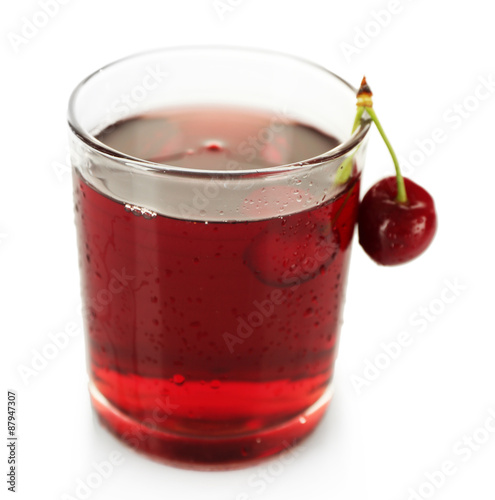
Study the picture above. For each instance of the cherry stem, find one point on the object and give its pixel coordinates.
(401, 187)
(345, 169)
(357, 120)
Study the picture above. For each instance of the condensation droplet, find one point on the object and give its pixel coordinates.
(215, 384)
(178, 379)
(138, 211)
(302, 420)
(308, 312)
(214, 146)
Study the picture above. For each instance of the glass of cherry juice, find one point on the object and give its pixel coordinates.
(214, 230)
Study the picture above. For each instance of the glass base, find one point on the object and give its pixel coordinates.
(209, 453)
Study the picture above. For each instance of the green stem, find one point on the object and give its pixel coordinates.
(345, 169)
(357, 120)
(401, 187)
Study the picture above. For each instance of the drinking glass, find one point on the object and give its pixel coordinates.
(216, 192)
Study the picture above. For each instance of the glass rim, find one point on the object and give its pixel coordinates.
(145, 165)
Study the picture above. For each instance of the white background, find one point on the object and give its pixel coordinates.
(378, 443)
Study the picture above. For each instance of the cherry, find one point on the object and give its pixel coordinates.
(291, 251)
(397, 219)
(391, 232)
(296, 248)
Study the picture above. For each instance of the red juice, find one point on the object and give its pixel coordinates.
(213, 341)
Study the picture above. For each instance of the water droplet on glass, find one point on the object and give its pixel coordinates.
(214, 146)
(137, 211)
(215, 384)
(178, 379)
(302, 420)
